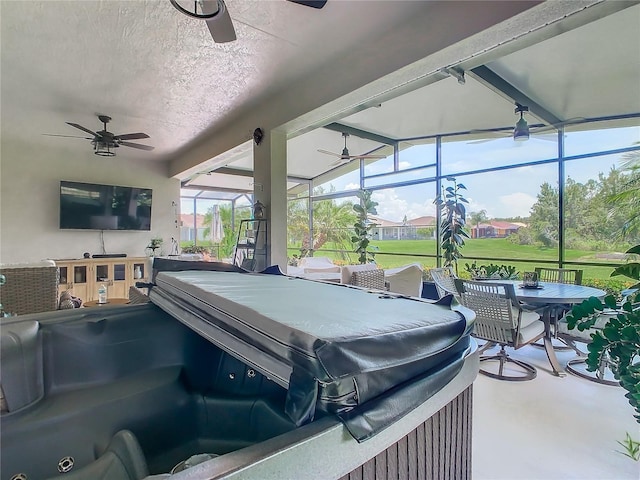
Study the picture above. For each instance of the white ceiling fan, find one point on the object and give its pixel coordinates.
(522, 131)
(345, 156)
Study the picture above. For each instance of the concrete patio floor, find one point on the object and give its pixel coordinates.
(550, 427)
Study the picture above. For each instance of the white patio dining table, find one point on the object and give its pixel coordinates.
(547, 294)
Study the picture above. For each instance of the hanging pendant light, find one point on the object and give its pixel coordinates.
(521, 131)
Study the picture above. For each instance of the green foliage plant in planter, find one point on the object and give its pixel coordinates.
(364, 227)
(154, 244)
(491, 271)
(619, 339)
(452, 222)
(196, 249)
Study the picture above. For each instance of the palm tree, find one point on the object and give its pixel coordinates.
(332, 224)
(628, 199)
(477, 218)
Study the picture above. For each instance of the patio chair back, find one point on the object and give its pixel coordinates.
(444, 280)
(559, 275)
(496, 307)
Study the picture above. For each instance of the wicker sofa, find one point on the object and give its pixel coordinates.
(29, 287)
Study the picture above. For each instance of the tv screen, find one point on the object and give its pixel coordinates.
(104, 207)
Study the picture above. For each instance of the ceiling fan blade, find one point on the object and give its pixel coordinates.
(368, 156)
(68, 136)
(484, 140)
(330, 153)
(555, 126)
(132, 136)
(221, 26)
(549, 137)
(83, 129)
(137, 145)
(310, 3)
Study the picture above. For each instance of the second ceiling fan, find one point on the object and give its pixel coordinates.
(522, 131)
(345, 156)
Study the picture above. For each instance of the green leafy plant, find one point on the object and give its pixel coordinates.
(631, 448)
(196, 249)
(619, 339)
(154, 244)
(504, 272)
(452, 221)
(364, 226)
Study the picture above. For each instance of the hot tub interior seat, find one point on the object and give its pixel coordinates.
(174, 391)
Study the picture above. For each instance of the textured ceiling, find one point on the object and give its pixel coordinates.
(157, 71)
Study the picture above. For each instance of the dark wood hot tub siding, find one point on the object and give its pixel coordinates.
(438, 449)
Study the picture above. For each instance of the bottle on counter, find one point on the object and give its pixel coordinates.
(102, 294)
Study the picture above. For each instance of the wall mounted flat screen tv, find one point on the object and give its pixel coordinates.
(104, 207)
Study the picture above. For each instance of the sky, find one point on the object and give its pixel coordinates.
(502, 194)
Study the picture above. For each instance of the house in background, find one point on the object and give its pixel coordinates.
(495, 229)
(192, 228)
(420, 228)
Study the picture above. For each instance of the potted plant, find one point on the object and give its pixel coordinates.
(364, 226)
(201, 249)
(491, 271)
(452, 222)
(619, 339)
(154, 244)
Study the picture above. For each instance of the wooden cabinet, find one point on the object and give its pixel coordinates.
(83, 277)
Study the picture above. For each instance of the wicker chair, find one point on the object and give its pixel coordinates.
(444, 278)
(500, 320)
(29, 288)
(373, 279)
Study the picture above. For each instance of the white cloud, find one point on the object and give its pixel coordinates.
(514, 205)
(393, 208)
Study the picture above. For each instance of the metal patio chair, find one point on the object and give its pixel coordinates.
(444, 278)
(500, 320)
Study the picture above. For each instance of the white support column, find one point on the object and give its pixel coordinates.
(270, 188)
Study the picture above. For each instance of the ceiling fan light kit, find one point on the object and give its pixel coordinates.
(103, 149)
(521, 130)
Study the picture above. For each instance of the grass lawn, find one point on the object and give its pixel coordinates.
(394, 253)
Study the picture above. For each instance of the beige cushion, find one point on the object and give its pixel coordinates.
(530, 331)
(347, 271)
(315, 262)
(585, 335)
(406, 280)
(527, 318)
(334, 269)
(317, 265)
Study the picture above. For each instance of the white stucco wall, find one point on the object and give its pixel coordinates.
(29, 201)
